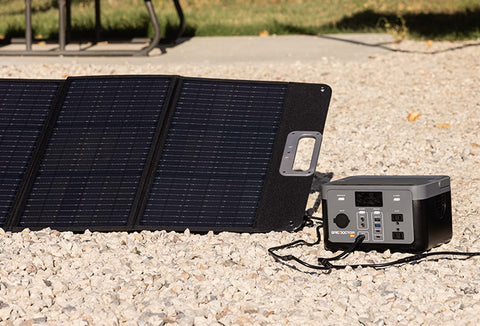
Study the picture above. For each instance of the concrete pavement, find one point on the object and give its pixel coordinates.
(230, 50)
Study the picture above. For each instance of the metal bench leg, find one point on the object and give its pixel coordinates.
(98, 22)
(69, 21)
(61, 25)
(28, 24)
(156, 28)
(181, 27)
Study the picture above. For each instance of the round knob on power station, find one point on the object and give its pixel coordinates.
(341, 220)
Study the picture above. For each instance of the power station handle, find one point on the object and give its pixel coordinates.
(290, 152)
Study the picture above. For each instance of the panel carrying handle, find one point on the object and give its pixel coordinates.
(290, 151)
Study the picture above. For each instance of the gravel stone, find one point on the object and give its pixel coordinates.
(156, 278)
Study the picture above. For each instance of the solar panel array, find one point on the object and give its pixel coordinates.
(152, 152)
(94, 160)
(24, 106)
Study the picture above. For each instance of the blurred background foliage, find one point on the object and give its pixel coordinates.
(125, 19)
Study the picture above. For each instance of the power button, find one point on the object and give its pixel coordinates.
(341, 220)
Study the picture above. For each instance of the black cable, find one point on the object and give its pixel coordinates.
(324, 263)
(277, 257)
(308, 219)
(414, 258)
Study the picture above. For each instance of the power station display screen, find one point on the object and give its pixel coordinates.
(368, 199)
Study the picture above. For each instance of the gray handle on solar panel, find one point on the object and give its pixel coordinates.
(290, 150)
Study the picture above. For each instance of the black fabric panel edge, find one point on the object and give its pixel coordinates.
(283, 200)
(20, 80)
(33, 166)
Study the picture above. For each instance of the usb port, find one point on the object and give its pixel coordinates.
(378, 225)
(397, 217)
(377, 219)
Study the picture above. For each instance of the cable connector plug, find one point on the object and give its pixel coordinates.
(325, 262)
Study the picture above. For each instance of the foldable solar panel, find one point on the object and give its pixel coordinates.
(131, 153)
(219, 166)
(24, 106)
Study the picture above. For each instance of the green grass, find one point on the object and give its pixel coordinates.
(417, 19)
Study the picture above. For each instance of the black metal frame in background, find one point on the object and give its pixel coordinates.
(64, 28)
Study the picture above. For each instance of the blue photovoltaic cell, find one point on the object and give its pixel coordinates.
(24, 106)
(94, 160)
(214, 162)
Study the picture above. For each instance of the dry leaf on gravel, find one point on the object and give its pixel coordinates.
(413, 116)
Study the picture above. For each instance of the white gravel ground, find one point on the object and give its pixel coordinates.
(154, 278)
